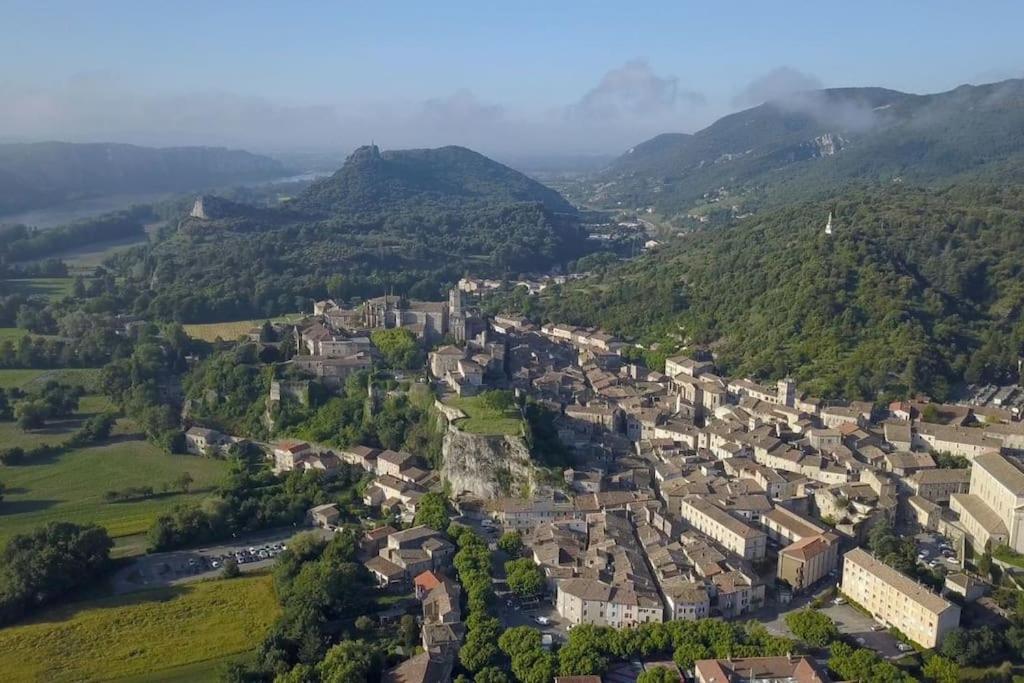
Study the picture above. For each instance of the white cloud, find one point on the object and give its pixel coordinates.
(778, 83)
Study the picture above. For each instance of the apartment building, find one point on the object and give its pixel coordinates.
(897, 600)
(728, 531)
(807, 561)
(591, 601)
(937, 485)
(786, 526)
(961, 441)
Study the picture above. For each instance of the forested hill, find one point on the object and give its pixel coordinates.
(916, 290)
(816, 142)
(447, 177)
(41, 174)
(409, 222)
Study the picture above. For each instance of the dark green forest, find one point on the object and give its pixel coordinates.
(916, 290)
(408, 224)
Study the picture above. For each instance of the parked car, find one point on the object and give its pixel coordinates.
(903, 647)
(839, 601)
(543, 621)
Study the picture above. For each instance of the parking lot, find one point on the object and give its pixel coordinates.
(935, 551)
(252, 552)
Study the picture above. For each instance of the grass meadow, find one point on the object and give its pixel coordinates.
(229, 331)
(178, 633)
(482, 419)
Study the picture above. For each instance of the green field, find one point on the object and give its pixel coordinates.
(51, 287)
(24, 378)
(70, 487)
(482, 419)
(54, 432)
(12, 333)
(83, 260)
(230, 331)
(180, 633)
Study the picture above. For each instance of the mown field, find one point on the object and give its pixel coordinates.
(483, 419)
(229, 331)
(24, 378)
(70, 487)
(52, 288)
(180, 633)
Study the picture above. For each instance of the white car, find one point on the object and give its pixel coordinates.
(839, 601)
(543, 621)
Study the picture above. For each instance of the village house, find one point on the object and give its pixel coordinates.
(202, 441)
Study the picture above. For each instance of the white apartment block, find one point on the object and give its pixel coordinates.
(897, 600)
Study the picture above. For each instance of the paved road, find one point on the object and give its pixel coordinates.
(183, 566)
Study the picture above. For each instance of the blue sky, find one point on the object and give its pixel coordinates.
(503, 77)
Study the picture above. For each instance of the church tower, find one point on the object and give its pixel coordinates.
(828, 226)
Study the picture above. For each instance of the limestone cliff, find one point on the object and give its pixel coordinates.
(487, 466)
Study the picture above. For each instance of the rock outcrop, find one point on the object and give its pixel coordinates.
(487, 466)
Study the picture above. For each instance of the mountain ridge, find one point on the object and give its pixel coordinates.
(814, 142)
(39, 174)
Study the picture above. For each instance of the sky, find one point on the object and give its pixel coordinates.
(506, 78)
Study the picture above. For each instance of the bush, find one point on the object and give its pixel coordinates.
(230, 569)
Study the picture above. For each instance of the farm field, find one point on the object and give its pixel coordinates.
(22, 378)
(51, 287)
(483, 419)
(71, 486)
(230, 331)
(83, 260)
(146, 636)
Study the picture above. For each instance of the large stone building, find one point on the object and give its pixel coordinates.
(728, 531)
(897, 600)
(993, 511)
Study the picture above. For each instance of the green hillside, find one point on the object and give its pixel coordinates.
(817, 142)
(916, 290)
(41, 174)
(406, 221)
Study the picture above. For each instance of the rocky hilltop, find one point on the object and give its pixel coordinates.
(487, 466)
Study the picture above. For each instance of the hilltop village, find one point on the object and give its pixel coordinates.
(678, 494)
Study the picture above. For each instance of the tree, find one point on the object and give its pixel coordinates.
(184, 482)
(409, 629)
(2, 489)
(31, 414)
(40, 566)
(478, 651)
(969, 647)
(364, 623)
(584, 654)
(350, 661)
(230, 569)
(688, 653)
(812, 627)
(524, 578)
(432, 510)
(941, 670)
(491, 674)
(512, 543)
(659, 674)
(398, 347)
